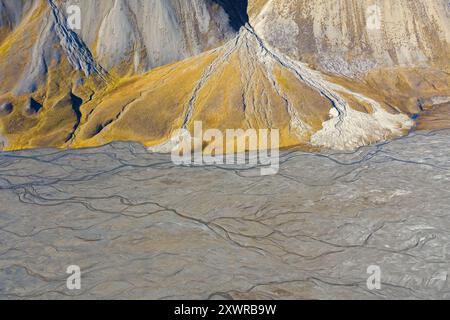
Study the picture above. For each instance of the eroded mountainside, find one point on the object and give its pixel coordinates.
(327, 73)
(355, 36)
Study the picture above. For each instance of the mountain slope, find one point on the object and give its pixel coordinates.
(265, 89)
(351, 37)
(145, 34)
(42, 60)
(323, 72)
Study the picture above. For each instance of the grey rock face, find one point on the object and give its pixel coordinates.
(354, 36)
(6, 108)
(140, 227)
(236, 11)
(12, 11)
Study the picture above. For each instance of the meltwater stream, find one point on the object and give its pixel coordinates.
(140, 227)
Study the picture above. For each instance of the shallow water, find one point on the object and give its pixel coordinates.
(140, 227)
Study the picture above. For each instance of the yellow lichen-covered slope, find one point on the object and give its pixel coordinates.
(312, 69)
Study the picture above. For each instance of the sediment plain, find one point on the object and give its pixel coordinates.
(140, 227)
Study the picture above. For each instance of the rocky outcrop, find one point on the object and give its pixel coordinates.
(145, 34)
(11, 14)
(269, 90)
(6, 108)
